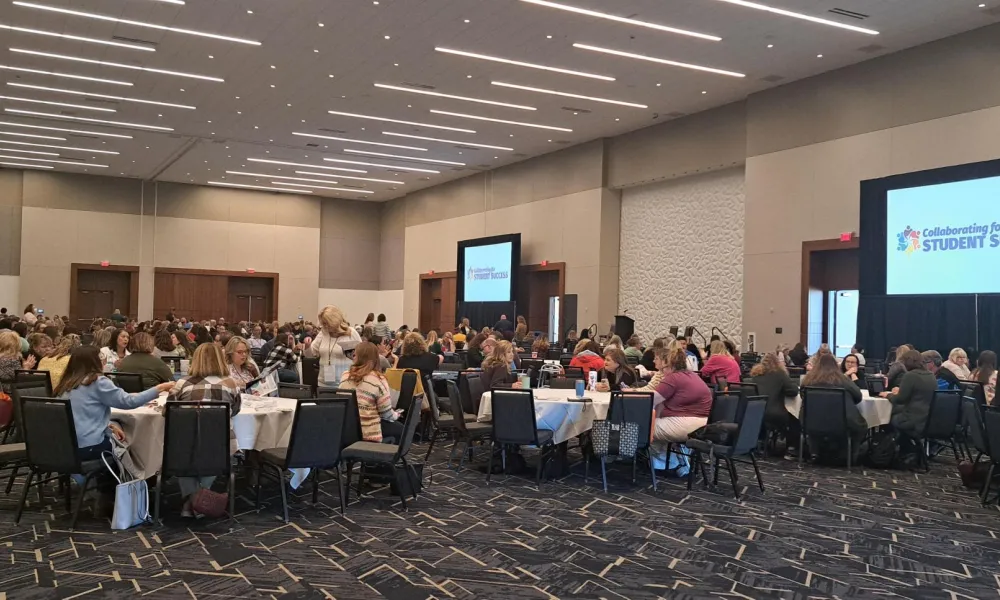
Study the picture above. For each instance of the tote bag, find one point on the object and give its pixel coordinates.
(131, 496)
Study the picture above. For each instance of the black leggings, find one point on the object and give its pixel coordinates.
(392, 429)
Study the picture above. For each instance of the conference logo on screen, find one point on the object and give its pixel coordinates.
(947, 238)
(486, 273)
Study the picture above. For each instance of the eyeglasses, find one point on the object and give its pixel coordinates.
(243, 352)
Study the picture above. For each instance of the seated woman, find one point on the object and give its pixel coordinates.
(720, 364)
(958, 363)
(897, 369)
(616, 374)
(833, 450)
(182, 345)
(378, 419)
(911, 402)
(682, 401)
(447, 343)
(497, 367)
(520, 332)
(773, 381)
(614, 342)
(242, 370)
(40, 346)
(56, 362)
(634, 347)
(207, 381)
(433, 343)
(165, 345)
(92, 396)
(475, 353)
(116, 350)
(797, 356)
(540, 347)
(850, 367)
(587, 355)
(416, 356)
(153, 370)
(658, 344)
(10, 359)
(986, 374)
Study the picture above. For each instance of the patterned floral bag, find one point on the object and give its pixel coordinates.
(615, 439)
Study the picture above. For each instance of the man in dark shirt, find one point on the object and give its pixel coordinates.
(118, 317)
(503, 325)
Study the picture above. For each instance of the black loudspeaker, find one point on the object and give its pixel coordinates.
(569, 315)
(624, 327)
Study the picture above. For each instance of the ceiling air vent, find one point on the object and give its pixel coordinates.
(101, 101)
(772, 78)
(485, 167)
(422, 86)
(561, 142)
(120, 38)
(312, 145)
(340, 131)
(576, 110)
(464, 147)
(871, 48)
(676, 114)
(849, 13)
(520, 155)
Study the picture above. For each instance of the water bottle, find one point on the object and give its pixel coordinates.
(579, 388)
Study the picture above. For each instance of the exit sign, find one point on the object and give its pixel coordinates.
(846, 237)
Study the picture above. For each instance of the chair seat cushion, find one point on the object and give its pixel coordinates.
(545, 436)
(275, 456)
(476, 429)
(11, 452)
(370, 452)
(705, 446)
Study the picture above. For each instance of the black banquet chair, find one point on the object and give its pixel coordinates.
(464, 430)
(514, 424)
(315, 443)
(196, 444)
(743, 445)
(943, 420)
(129, 382)
(824, 414)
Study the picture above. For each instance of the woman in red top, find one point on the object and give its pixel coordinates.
(720, 364)
(588, 356)
(682, 401)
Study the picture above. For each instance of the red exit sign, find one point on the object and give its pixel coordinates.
(846, 237)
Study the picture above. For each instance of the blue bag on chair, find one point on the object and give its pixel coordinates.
(131, 496)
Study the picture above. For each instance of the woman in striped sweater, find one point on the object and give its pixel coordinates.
(378, 419)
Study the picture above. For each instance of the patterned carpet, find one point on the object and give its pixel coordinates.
(816, 533)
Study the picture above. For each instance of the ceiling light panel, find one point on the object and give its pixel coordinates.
(32, 135)
(795, 15)
(339, 176)
(661, 61)
(453, 97)
(520, 123)
(271, 176)
(322, 187)
(65, 130)
(54, 161)
(388, 120)
(19, 151)
(66, 75)
(78, 38)
(88, 15)
(94, 95)
(567, 94)
(51, 103)
(43, 115)
(105, 63)
(528, 65)
(381, 166)
(35, 145)
(340, 139)
(443, 141)
(257, 187)
(24, 166)
(636, 22)
(296, 164)
(414, 158)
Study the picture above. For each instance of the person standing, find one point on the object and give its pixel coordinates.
(503, 325)
(334, 340)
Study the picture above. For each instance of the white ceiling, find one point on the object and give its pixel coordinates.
(302, 70)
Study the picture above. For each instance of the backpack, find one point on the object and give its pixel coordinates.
(882, 451)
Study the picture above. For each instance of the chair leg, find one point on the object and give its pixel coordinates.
(347, 484)
(340, 488)
(756, 470)
(410, 477)
(316, 485)
(489, 468)
(13, 476)
(156, 503)
(232, 494)
(430, 447)
(635, 466)
(284, 493)
(652, 471)
(361, 480)
(802, 444)
(538, 470)
(849, 453)
(24, 496)
(604, 473)
(451, 455)
(696, 462)
(715, 472)
(79, 500)
(986, 484)
(732, 477)
(67, 490)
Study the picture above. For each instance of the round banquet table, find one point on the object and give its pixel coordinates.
(258, 426)
(875, 409)
(555, 412)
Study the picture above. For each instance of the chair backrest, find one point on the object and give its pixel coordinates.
(565, 359)
(476, 391)
(875, 384)
(750, 424)
(945, 414)
(33, 383)
(450, 366)
(632, 359)
(295, 391)
(524, 356)
(310, 372)
(553, 354)
(746, 388)
(455, 401)
(721, 384)
(562, 383)
(463, 390)
(514, 417)
(870, 369)
(824, 411)
(796, 371)
(86, 339)
(573, 372)
(991, 419)
(725, 407)
(174, 362)
(49, 434)
(196, 439)
(975, 390)
(129, 382)
(974, 421)
(255, 355)
(317, 433)
(432, 398)
(633, 407)
(412, 414)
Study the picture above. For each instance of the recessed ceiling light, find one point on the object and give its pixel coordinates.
(399, 88)
(340, 139)
(38, 152)
(321, 187)
(982, 6)
(566, 94)
(819, 56)
(77, 149)
(14, 164)
(273, 67)
(617, 119)
(113, 64)
(770, 45)
(50, 103)
(414, 158)
(381, 166)
(257, 187)
(66, 75)
(339, 176)
(93, 95)
(288, 104)
(466, 20)
(52, 160)
(330, 76)
(788, 13)
(272, 85)
(249, 12)
(295, 164)
(32, 135)
(85, 119)
(387, 37)
(658, 84)
(210, 56)
(704, 92)
(548, 37)
(78, 38)
(79, 13)
(320, 24)
(662, 61)
(523, 64)
(479, 118)
(600, 15)
(63, 129)
(388, 120)
(316, 50)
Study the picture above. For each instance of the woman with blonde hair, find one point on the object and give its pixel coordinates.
(334, 340)
(720, 364)
(39, 346)
(56, 362)
(10, 359)
(416, 356)
(242, 370)
(447, 343)
(378, 419)
(958, 363)
(497, 367)
(433, 343)
(773, 381)
(896, 369)
(520, 332)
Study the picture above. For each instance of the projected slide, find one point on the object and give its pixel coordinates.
(944, 239)
(488, 273)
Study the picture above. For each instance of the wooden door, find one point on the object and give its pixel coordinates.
(259, 308)
(242, 310)
(94, 303)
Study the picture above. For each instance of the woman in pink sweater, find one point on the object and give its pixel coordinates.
(720, 364)
(682, 401)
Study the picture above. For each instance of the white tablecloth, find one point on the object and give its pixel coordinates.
(255, 429)
(876, 410)
(554, 411)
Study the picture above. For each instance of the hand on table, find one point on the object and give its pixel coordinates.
(117, 431)
(166, 386)
(516, 385)
(602, 386)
